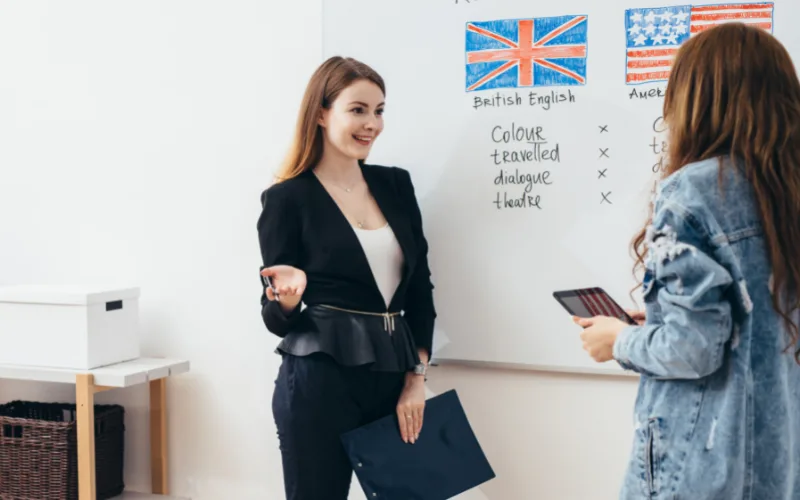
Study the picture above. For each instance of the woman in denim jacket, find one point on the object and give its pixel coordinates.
(718, 408)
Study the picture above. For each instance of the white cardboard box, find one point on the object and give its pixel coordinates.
(73, 327)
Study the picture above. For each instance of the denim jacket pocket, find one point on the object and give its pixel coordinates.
(650, 457)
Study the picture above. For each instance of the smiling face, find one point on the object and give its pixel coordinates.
(354, 120)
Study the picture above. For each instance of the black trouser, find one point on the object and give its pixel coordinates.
(315, 401)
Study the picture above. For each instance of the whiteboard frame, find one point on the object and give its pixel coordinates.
(525, 367)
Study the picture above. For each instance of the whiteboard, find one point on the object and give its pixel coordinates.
(532, 132)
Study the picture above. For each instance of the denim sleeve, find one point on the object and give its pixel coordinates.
(689, 287)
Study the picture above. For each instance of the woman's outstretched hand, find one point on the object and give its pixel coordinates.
(288, 285)
(287, 281)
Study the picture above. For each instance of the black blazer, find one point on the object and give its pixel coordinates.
(302, 226)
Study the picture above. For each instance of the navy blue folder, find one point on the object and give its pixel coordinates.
(445, 461)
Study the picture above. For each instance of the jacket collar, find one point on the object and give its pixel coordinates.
(386, 192)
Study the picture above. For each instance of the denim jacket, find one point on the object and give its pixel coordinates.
(718, 409)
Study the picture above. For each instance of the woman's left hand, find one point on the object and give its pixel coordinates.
(411, 407)
(599, 335)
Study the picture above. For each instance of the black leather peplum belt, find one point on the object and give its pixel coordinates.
(353, 337)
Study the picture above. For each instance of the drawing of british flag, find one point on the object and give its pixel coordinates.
(655, 34)
(535, 52)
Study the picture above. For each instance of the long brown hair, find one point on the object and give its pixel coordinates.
(325, 85)
(733, 92)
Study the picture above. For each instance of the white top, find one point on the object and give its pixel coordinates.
(385, 257)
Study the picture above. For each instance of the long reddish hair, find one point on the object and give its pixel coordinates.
(733, 92)
(325, 85)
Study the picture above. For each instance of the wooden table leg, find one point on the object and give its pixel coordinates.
(158, 436)
(84, 398)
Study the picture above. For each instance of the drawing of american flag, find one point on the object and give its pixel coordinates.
(654, 35)
(597, 303)
(526, 52)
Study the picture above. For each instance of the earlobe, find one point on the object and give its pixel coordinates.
(321, 119)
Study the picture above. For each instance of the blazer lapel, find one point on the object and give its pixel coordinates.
(360, 265)
(386, 194)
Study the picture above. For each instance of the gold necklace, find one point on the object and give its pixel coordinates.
(336, 184)
(347, 189)
(359, 223)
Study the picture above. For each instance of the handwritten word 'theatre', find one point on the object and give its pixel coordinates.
(523, 201)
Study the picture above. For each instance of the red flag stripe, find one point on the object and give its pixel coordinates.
(732, 6)
(650, 63)
(652, 52)
(732, 15)
(702, 27)
(643, 77)
(598, 305)
(612, 306)
(586, 304)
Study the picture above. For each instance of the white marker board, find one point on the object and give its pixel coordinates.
(563, 97)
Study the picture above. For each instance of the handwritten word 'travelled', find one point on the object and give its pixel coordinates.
(537, 153)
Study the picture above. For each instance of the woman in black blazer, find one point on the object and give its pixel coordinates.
(345, 239)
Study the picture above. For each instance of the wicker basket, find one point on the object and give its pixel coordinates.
(39, 451)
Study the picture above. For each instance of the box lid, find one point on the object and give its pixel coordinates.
(80, 295)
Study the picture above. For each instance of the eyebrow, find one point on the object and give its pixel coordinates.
(366, 105)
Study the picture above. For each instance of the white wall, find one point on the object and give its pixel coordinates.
(135, 138)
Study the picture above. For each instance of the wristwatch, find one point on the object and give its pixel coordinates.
(421, 369)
